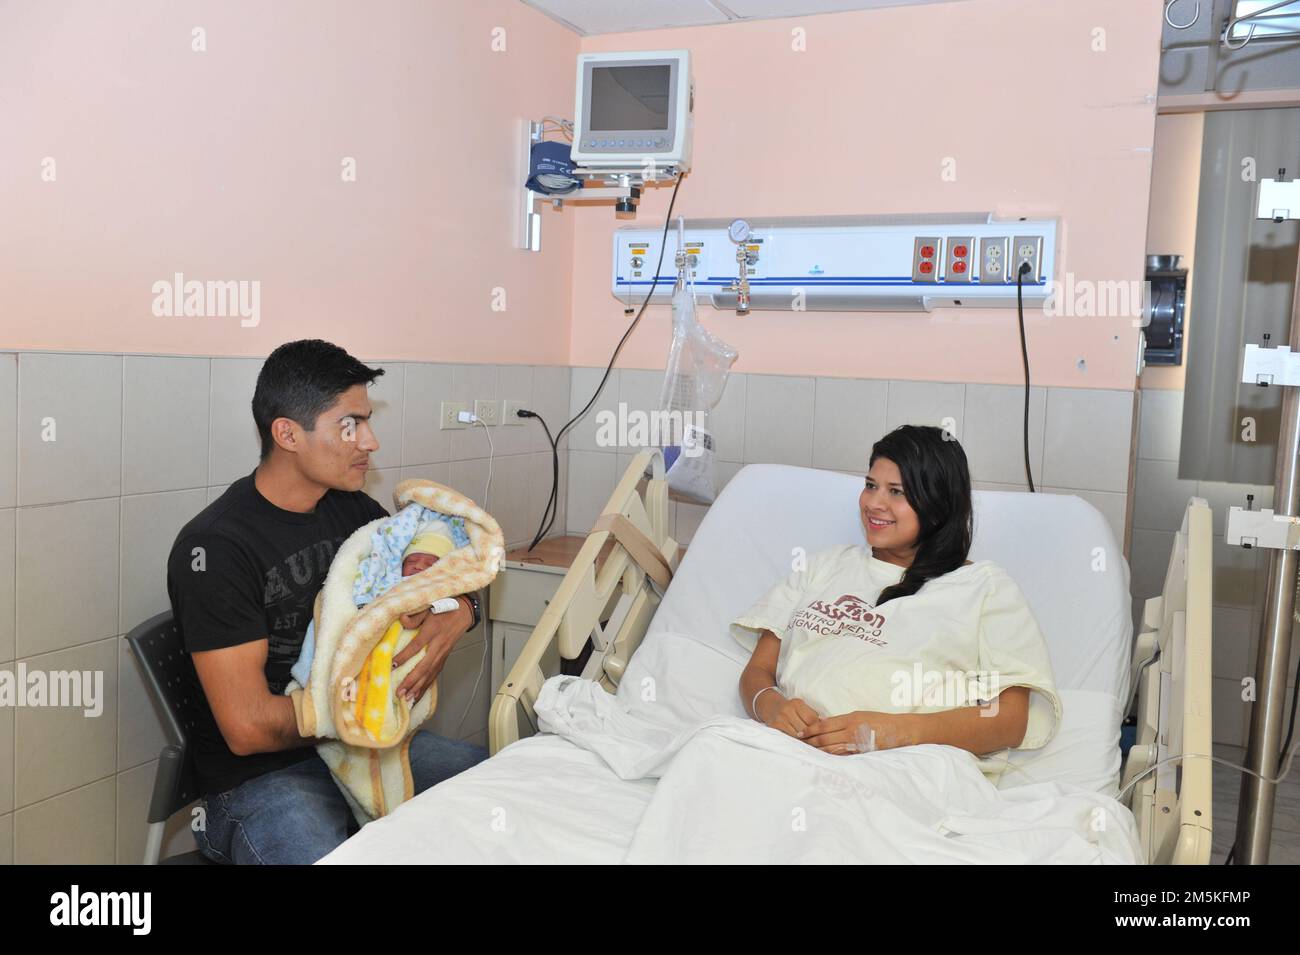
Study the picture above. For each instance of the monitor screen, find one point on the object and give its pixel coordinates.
(630, 97)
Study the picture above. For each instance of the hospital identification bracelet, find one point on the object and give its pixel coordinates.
(753, 704)
(445, 605)
(448, 604)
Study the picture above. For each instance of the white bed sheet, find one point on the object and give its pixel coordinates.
(546, 800)
(540, 800)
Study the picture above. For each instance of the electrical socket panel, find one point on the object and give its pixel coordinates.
(925, 258)
(489, 412)
(447, 416)
(961, 252)
(1027, 248)
(508, 415)
(994, 253)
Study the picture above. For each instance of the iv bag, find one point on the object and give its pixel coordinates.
(696, 375)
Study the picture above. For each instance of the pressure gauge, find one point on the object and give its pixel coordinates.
(738, 231)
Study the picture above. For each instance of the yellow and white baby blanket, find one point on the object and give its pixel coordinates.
(349, 698)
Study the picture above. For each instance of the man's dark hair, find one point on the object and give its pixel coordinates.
(300, 380)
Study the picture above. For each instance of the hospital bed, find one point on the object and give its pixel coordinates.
(540, 798)
(1171, 681)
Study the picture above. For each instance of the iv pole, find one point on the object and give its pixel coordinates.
(1278, 201)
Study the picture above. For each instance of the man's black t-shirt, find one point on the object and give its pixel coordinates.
(246, 570)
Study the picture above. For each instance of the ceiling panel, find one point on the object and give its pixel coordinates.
(1183, 69)
(770, 9)
(618, 16)
(589, 17)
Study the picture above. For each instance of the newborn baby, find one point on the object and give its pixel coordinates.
(371, 692)
(374, 700)
(425, 550)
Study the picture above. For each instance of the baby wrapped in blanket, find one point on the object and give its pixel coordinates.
(380, 587)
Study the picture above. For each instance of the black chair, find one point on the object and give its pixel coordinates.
(169, 673)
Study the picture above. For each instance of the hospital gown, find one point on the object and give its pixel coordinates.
(963, 637)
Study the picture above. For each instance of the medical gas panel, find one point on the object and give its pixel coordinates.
(843, 263)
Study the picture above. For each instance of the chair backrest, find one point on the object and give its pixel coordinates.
(169, 673)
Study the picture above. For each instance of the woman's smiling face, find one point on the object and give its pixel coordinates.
(892, 526)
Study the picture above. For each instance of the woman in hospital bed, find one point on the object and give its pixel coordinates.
(907, 641)
(905, 638)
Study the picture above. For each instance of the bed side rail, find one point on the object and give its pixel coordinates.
(611, 607)
(1171, 666)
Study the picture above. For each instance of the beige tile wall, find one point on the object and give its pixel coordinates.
(142, 443)
(102, 459)
(1079, 438)
(1240, 576)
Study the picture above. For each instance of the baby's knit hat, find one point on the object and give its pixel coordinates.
(432, 537)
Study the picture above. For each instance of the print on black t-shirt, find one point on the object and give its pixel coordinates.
(288, 595)
(260, 571)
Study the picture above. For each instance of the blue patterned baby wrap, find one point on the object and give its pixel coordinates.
(381, 569)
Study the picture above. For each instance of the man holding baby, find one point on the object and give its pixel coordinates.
(243, 576)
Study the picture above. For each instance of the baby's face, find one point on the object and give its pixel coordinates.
(416, 562)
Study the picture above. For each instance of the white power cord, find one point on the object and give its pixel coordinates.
(482, 667)
(1274, 780)
(487, 644)
(475, 419)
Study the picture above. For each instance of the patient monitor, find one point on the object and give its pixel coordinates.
(634, 110)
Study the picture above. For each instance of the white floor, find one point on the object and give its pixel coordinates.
(1285, 846)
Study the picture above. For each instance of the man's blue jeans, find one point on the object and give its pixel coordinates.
(297, 815)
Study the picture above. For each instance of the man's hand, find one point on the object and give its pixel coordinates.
(414, 619)
(439, 634)
(848, 733)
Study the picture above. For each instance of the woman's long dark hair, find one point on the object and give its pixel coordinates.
(936, 482)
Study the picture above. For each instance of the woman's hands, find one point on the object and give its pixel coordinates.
(762, 699)
(792, 717)
(851, 732)
(837, 735)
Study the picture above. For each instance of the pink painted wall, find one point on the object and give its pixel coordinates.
(861, 123)
(226, 165)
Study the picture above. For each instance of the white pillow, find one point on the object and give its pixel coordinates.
(1084, 752)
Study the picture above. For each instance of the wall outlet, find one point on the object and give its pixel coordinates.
(1027, 248)
(993, 260)
(447, 415)
(508, 416)
(961, 252)
(925, 258)
(489, 412)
